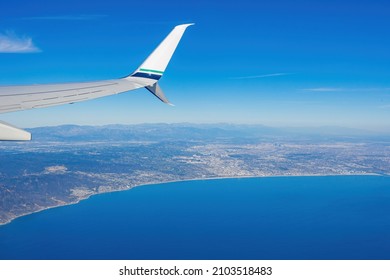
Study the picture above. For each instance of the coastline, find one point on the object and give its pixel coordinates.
(185, 180)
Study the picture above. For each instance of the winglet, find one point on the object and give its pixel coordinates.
(156, 63)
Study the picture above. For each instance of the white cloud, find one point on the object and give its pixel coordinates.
(12, 43)
(262, 76)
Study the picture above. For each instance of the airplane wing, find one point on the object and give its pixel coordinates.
(17, 98)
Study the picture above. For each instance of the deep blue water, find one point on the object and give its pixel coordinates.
(342, 217)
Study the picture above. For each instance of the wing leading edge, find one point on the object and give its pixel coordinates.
(17, 98)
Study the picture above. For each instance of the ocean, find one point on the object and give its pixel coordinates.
(330, 217)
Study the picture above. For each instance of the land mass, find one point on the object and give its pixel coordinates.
(66, 164)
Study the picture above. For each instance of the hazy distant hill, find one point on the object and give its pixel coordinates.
(185, 131)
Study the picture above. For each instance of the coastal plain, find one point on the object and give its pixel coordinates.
(66, 164)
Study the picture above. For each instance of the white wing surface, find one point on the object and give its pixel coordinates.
(16, 98)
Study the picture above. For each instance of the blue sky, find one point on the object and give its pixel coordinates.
(279, 63)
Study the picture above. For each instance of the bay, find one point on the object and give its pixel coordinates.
(324, 217)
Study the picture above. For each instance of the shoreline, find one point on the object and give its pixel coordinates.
(187, 180)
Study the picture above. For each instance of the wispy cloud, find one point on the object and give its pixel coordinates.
(67, 17)
(323, 89)
(337, 89)
(387, 106)
(261, 76)
(12, 43)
